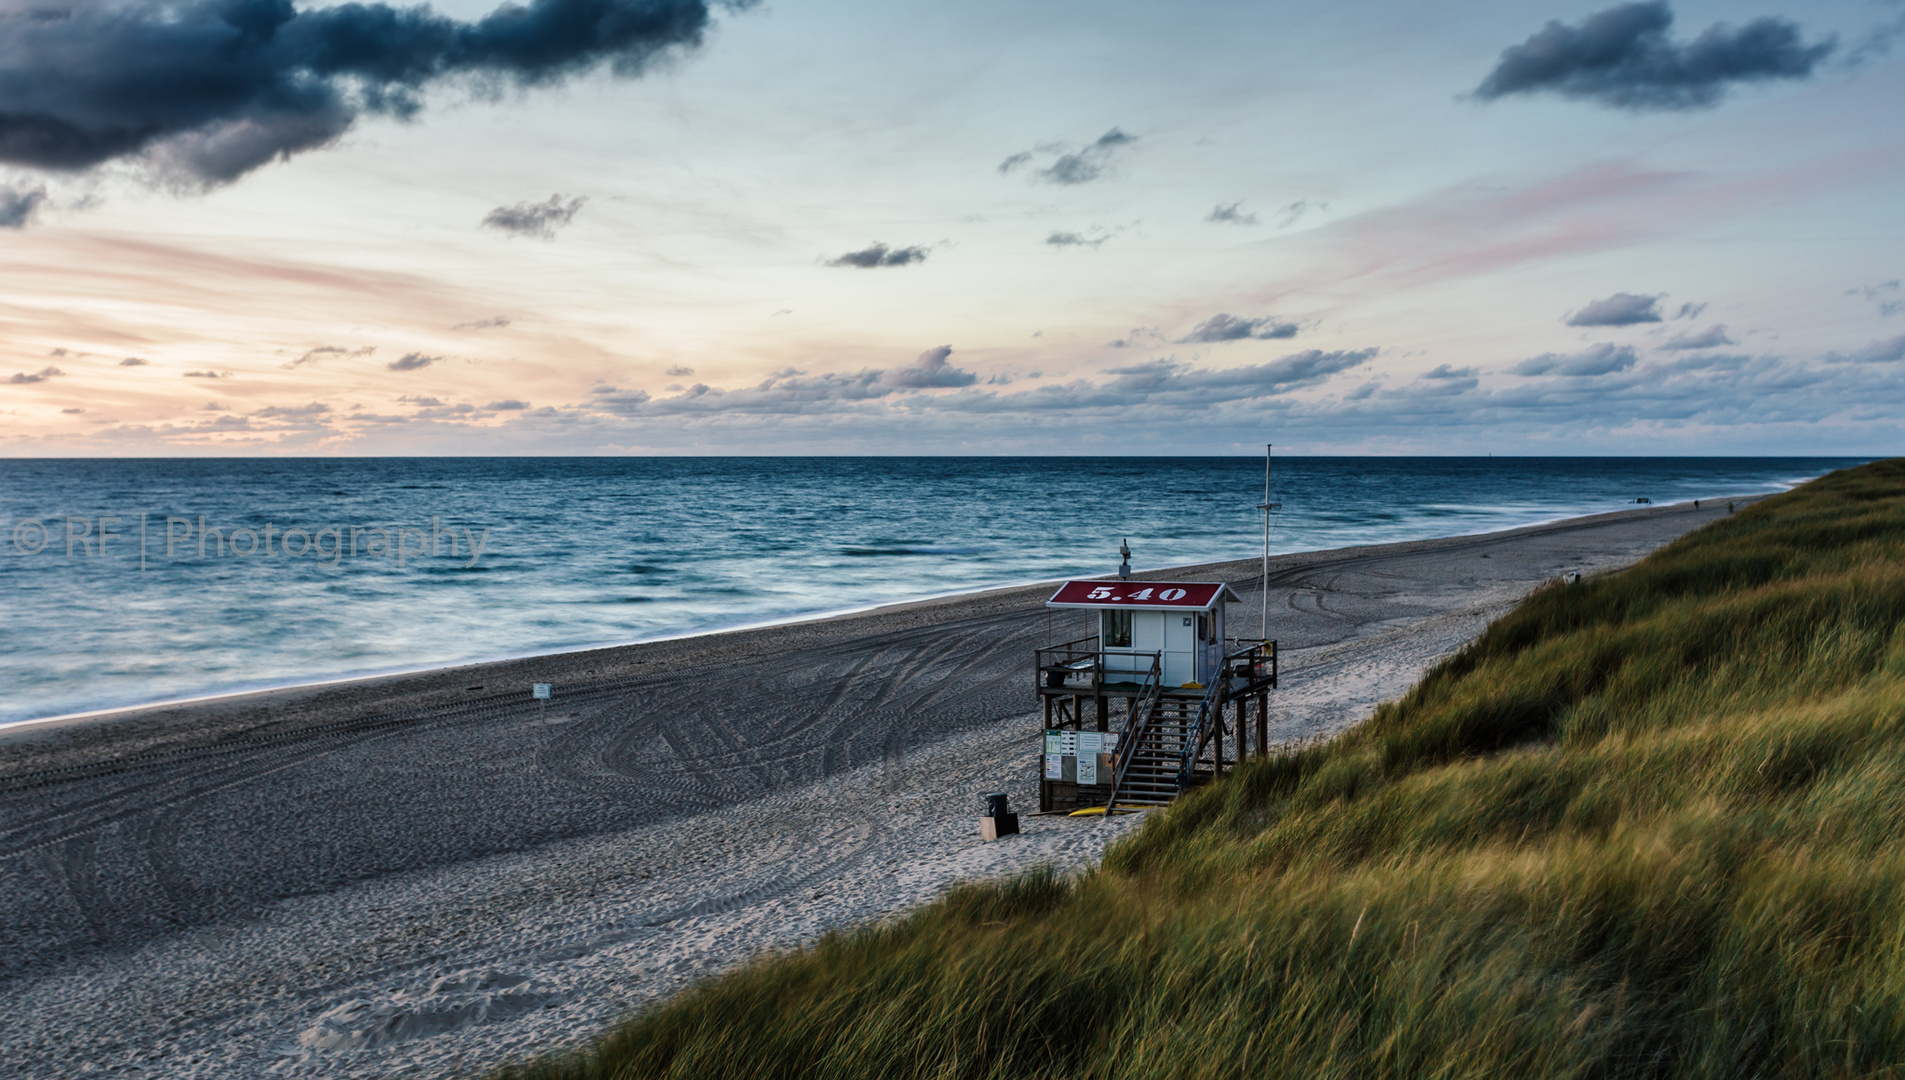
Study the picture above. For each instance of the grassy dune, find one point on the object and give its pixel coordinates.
(1645, 825)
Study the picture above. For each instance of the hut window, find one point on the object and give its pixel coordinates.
(1117, 629)
(1203, 628)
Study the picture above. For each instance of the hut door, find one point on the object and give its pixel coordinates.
(1180, 647)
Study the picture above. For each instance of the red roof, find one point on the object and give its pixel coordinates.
(1142, 594)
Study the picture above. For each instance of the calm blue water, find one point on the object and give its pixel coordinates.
(315, 569)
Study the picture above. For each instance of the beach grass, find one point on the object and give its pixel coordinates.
(1646, 825)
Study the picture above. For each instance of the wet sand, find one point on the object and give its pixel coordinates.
(429, 875)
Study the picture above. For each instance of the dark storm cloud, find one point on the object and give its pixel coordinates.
(535, 219)
(877, 254)
(1622, 58)
(412, 361)
(1600, 359)
(1711, 337)
(19, 204)
(1230, 214)
(1068, 166)
(207, 90)
(1621, 309)
(1222, 327)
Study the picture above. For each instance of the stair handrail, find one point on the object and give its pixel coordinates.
(1143, 707)
(1194, 740)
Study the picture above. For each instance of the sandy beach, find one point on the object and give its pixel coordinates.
(428, 875)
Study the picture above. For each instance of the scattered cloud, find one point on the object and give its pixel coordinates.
(1711, 337)
(18, 205)
(1222, 327)
(323, 351)
(1230, 214)
(1072, 239)
(1070, 166)
(535, 219)
(295, 412)
(1690, 311)
(1622, 58)
(1878, 352)
(1137, 338)
(1886, 295)
(73, 411)
(208, 375)
(203, 91)
(877, 254)
(131, 361)
(679, 370)
(1876, 43)
(507, 405)
(1621, 309)
(21, 378)
(412, 361)
(425, 402)
(213, 406)
(1602, 359)
(930, 370)
(494, 323)
(1294, 212)
(792, 390)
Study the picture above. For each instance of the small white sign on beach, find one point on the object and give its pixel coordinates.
(540, 691)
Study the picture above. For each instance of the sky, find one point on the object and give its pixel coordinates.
(255, 227)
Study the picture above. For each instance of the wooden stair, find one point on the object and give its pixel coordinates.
(1157, 757)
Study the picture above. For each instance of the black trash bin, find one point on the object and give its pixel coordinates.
(996, 805)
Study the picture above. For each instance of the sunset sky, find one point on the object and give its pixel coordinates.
(823, 226)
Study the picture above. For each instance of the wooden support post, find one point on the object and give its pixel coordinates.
(1217, 742)
(1263, 725)
(1243, 730)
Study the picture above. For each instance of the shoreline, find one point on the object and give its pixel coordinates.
(298, 685)
(419, 876)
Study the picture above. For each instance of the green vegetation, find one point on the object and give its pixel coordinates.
(1645, 825)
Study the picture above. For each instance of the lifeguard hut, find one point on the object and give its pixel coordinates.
(1131, 710)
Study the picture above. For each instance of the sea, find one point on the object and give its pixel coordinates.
(129, 582)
